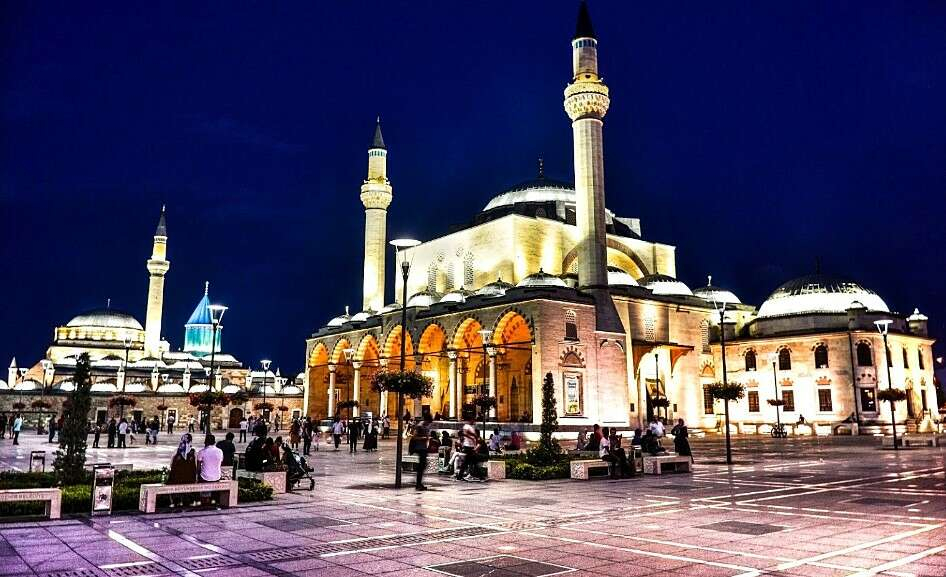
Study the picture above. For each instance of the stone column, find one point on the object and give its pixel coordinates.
(452, 383)
(491, 352)
(383, 409)
(356, 385)
(331, 391)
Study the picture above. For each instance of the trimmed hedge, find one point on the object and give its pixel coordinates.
(520, 469)
(77, 499)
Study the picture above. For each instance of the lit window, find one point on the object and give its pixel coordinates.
(785, 359)
(707, 402)
(864, 356)
(919, 358)
(821, 356)
(750, 360)
(824, 400)
(571, 326)
(788, 397)
(753, 397)
(906, 359)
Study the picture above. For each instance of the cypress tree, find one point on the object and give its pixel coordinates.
(70, 458)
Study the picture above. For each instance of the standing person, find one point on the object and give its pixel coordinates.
(468, 438)
(52, 428)
(190, 424)
(244, 425)
(97, 430)
(295, 434)
(337, 429)
(657, 428)
(3, 425)
(306, 435)
(15, 430)
(681, 441)
(418, 446)
(386, 426)
(171, 420)
(122, 430)
(354, 430)
(228, 448)
(111, 431)
(183, 466)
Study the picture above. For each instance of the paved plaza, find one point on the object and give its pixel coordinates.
(806, 508)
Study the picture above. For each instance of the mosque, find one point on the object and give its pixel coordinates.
(135, 360)
(547, 280)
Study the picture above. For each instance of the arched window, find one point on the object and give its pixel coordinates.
(571, 326)
(821, 356)
(784, 359)
(750, 360)
(906, 359)
(919, 358)
(864, 356)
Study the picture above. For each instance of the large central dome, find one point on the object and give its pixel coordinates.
(107, 318)
(819, 293)
(539, 189)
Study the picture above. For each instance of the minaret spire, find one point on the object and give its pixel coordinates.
(158, 266)
(376, 195)
(587, 102)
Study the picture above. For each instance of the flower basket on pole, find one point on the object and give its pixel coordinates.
(206, 400)
(19, 406)
(891, 395)
(776, 402)
(410, 384)
(484, 403)
(350, 404)
(263, 406)
(238, 397)
(41, 404)
(726, 392)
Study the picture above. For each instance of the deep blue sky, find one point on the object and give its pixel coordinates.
(755, 136)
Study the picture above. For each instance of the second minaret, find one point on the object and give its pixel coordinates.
(376, 195)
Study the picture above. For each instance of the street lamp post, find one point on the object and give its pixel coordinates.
(216, 317)
(400, 245)
(485, 335)
(127, 342)
(773, 358)
(22, 371)
(47, 368)
(265, 364)
(721, 308)
(883, 326)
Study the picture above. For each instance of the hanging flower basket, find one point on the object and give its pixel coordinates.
(776, 402)
(239, 397)
(345, 405)
(411, 384)
(484, 402)
(18, 406)
(162, 407)
(122, 401)
(208, 399)
(726, 391)
(263, 406)
(660, 402)
(67, 404)
(41, 404)
(891, 395)
(283, 408)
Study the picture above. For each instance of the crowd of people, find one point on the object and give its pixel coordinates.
(607, 442)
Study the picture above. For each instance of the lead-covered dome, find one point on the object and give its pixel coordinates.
(497, 288)
(539, 189)
(715, 294)
(620, 277)
(424, 298)
(819, 293)
(662, 284)
(541, 278)
(106, 318)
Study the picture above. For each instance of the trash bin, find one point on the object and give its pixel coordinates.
(37, 461)
(103, 478)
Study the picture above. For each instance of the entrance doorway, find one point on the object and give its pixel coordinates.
(236, 415)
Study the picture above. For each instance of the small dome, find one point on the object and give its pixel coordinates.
(362, 316)
(390, 307)
(620, 277)
(570, 279)
(819, 293)
(456, 296)
(497, 288)
(339, 320)
(423, 299)
(106, 318)
(662, 284)
(541, 278)
(715, 294)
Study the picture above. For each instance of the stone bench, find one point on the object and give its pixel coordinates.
(148, 496)
(914, 440)
(671, 462)
(583, 454)
(495, 470)
(275, 479)
(887, 441)
(409, 463)
(116, 466)
(52, 497)
(589, 468)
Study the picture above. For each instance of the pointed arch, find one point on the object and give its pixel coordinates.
(368, 348)
(467, 334)
(318, 355)
(618, 254)
(392, 344)
(433, 339)
(512, 326)
(338, 351)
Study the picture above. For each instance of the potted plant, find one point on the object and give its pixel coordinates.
(411, 384)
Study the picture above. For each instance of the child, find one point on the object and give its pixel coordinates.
(316, 437)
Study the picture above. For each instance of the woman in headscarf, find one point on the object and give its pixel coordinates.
(681, 441)
(183, 465)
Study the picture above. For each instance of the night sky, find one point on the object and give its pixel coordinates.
(755, 136)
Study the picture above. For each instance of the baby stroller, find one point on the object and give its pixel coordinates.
(297, 469)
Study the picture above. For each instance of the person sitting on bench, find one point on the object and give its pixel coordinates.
(650, 444)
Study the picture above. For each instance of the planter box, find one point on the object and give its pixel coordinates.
(275, 479)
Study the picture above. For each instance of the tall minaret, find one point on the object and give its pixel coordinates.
(376, 196)
(586, 102)
(158, 266)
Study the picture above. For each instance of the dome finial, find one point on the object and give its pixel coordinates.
(541, 168)
(709, 280)
(162, 228)
(108, 303)
(206, 287)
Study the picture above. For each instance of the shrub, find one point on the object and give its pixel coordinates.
(252, 490)
(520, 468)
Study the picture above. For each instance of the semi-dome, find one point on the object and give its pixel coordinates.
(620, 277)
(497, 288)
(424, 298)
(106, 318)
(715, 294)
(456, 296)
(541, 278)
(662, 284)
(819, 293)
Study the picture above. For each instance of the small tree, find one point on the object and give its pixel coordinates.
(727, 392)
(70, 458)
(484, 403)
(548, 451)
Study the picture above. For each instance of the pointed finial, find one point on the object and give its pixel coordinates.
(584, 29)
(346, 310)
(709, 280)
(162, 228)
(541, 168)
(108, 303)
(206, 287)
(378, 140)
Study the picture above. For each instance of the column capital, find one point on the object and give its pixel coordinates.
(332, 368)
(491, 351)
(452, 355)
(383, 363)
(356, 365)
